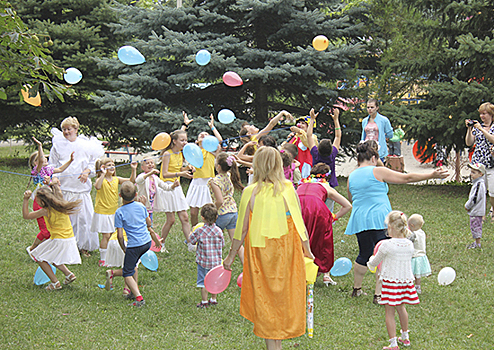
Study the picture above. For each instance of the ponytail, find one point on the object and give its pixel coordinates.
(228, 164)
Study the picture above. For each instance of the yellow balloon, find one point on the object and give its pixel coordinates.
(34, 101)
(373, 271)
(199, 225)
(160, 141)
(320, 43)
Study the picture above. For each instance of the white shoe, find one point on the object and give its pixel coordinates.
(28, 250)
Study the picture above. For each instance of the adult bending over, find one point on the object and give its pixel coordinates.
(271, 224)
(368, 190)
(74, 181)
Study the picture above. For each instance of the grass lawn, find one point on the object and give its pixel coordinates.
(83, 316)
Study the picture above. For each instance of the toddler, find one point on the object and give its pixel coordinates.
(420, 262)
(210, 242)
(475, 206)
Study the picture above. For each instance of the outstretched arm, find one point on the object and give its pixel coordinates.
(65, 166)
(133, 174)
(25, 209)
(390, 176)
(273, 122)
(310, 140)
(337, 128)
(187, 121)
(41, 155)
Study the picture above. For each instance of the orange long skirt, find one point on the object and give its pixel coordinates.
(274, 287)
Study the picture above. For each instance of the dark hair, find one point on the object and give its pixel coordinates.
(268, 141)
(325, 148)
(243, 133)
(221, 159)
(209, 213)
(365, 151)
(293, 149)
(286, 157)
(128, 191)
(320, 168)
(373, 100)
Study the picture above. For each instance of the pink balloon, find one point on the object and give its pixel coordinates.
(239, 279)
(232, 79)
(376, 248)
(154, 248)
(217, 279)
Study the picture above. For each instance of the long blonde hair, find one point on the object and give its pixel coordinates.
(47, 199)
(104, 161)
(398, 221)
(268, 168)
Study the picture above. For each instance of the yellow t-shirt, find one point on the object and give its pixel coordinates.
(207, 169)
(114, 236)
(59, 225)
(107, 197)
(174, 165)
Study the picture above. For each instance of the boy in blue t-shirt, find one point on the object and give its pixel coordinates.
(134, 219)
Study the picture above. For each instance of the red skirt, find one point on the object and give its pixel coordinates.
(397, 293)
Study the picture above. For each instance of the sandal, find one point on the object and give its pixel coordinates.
(377, 299)
(328, 281)
(126, 291)
(70, 278)
(54, 286)
(358, 292)
(85, 253)
(109, 280)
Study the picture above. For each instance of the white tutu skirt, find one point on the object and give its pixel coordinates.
(174, 200)
(421, 266)
(81, 221)
(114, 255)
(103, 223)
(58, 251)
(198, 193)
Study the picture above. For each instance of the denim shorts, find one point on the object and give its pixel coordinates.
(132, 256)
(228, 221)
(201, 274)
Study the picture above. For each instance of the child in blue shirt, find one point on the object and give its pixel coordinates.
(134, 219)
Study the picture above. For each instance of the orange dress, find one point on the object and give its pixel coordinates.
(273, 286)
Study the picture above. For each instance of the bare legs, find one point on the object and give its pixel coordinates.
(170, 220)
(390, 319)
(194, 216)
(358, 275)
(273, 344)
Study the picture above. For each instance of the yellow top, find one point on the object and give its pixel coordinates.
(59, 225)
(207, 169)
(303, 137)
(174, 166)
(114, 237)
(269, 218)
(107, 197)
(255, 139)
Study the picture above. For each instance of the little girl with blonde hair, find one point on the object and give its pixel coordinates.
(396, 275)
(106, 203)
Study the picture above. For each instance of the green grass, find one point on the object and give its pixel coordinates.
(83, 316)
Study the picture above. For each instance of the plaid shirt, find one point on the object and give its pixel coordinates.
(210, 242)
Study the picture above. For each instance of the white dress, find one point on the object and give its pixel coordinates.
(86, 152)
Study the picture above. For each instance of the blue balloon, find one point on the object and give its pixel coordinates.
(203, 57)
(226, 116)
(341, 267)
(193, 154)
(130, 55)
(72, 75)
(210, 143)
(40, 276)
(150, 260)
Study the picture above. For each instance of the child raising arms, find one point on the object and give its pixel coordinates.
(396, 276)
(222, 187)
(107, 201)
(61, 248)
(40, 169)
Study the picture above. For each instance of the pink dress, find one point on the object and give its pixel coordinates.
(319, 223)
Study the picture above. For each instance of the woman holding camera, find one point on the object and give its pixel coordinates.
(482, 135)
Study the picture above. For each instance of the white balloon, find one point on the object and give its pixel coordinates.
(446, 276)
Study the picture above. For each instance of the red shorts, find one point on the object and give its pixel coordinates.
(43, 231)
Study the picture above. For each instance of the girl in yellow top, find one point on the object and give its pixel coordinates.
(198, 192)
(106, 203)
(61, 247)
(271, 224)
(172, 169)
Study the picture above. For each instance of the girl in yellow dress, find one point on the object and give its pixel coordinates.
(61, 247)
(106, 203)
(172, 169)
(271, 224)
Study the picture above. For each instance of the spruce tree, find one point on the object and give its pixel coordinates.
(268, 43)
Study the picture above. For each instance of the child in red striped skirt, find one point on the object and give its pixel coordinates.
(397, 277)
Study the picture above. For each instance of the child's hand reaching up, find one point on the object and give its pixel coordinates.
(36, 141)
(27, 195)
(133, 165)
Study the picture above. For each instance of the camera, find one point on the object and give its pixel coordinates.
(471, 123)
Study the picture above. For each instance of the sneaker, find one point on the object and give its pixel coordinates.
(212, 302)
(201, 305)
(376, 300)
(130, 296)
(405, 342)
(418, 289)
(391, 348)
(358, 292)
(473, 245)
(138, 303)
(101, 263)
(163, 249)
(28, 250)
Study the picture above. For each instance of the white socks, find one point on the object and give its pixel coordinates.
(393, 342)
(102, 254)
(404, 335)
